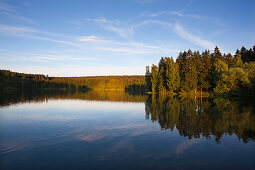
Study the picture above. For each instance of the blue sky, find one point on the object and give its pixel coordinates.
(118, 37)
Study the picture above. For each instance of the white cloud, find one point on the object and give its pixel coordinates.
(99, 20)
(177, 13)
(12, 13)
(123, 32)
(29, 32)
(92, 39)
(13, 30)
(115, 26)
(17, 17)
(41, 57)
(7, 7)
(151, 22)
(88, 43)
(193, 38)
(125, 29)
(128, 47)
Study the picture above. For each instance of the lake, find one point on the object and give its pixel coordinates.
(117, 130)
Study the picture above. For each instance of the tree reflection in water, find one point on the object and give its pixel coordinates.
(193, 118)
(203, 118)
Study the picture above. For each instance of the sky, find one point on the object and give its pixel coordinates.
(116, 37)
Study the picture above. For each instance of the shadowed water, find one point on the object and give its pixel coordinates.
(116, 130)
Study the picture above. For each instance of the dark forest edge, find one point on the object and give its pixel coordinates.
(195, 74)
(16, 81)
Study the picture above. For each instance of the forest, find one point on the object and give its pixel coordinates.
(191, 74)
(195, 73)
(12, 80)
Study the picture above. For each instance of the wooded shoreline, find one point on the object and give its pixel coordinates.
(193, 74)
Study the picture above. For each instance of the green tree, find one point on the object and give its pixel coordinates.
(191, 77)
(203, 71)
(233, 79)
(237, 61)
(228, 59)
(172, 75)
(162, 76)
(154, 78)
(250, 70)
(214, 57)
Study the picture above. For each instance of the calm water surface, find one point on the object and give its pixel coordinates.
(114, 130)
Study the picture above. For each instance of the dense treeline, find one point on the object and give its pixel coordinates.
(111, 82)
(203, 118)
(205, 72)
(14, 80)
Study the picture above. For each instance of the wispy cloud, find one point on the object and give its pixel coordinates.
(29, 32)
(101, 20)
(151, 22)
(125, 29)
(128, 47)
(193, 38)
(177, 13)
(91, 42)
(180, 13)
(35, 57)
(7, 7)
(12, 12)
(188, 5)
(123, 32)
(91, 39)
(14, 30)
(17, 17)
(116, 26)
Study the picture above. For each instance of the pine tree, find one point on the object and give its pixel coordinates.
(204, 70)
(154, 78)
(214, 57)
(237, 61)
(172, 75)
(162, 75)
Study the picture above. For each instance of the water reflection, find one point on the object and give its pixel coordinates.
(203, 118)
(114, 130)
(14, 97)
(193, 118)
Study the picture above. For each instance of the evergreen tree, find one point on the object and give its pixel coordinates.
(214, 57)
(154, 78)
(228, 59)
(237, 61)
(204, 70)
(172, 75)
(190, 73)
(181, 64)
(162, 75)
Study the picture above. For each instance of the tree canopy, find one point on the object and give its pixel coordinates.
(210, 72)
